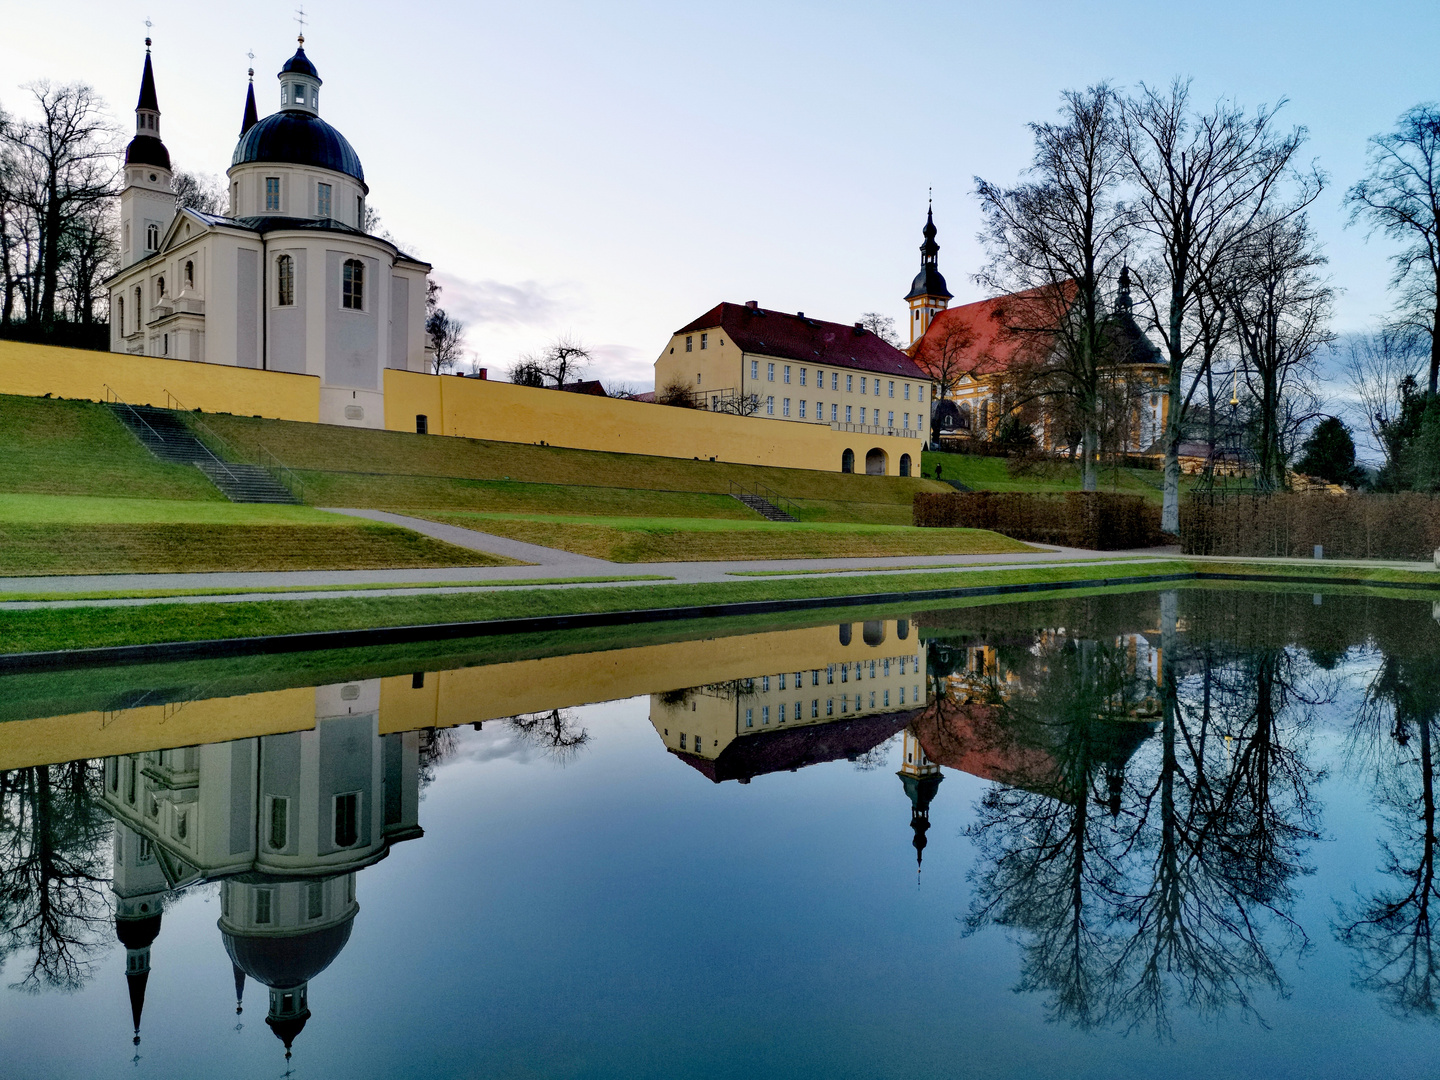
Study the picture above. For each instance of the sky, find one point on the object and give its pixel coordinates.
(612, 171)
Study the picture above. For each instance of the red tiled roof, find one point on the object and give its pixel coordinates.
(993, 346)
(812, 341)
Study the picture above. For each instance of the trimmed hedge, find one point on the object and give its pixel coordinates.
(1095, 520)
(1351, 526)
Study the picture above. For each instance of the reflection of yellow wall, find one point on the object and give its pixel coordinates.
(154, 727)
(482, 409)
(37, 370)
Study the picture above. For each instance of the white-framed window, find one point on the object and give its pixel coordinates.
(770, 406)
(787, 373)
(765, 715)
(849, 384)
(754, 369)
(322, 200)
(689, 342)
(834, 413)
(862, 384)
(847, 414)
(704, 341)
(862, 414)
(802, 408)
(890, 388)
(919, 420)
(765, 684)
(749, 717)
(907, 391)
(814, 708)
(299, 93)
(152, 237)
(347, 819)
(284, 281)
(272, 193)
(353, 285)
(785, 407)
(907, 421)
(890, 419)
(834, 380)
(279, 823)
(264, 901)
(769, 372)
(830, 706)
(682, 740)
(802, 376)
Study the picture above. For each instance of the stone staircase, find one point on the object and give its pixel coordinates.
(761, 505)
(169, 438)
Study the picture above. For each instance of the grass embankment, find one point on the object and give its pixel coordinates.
(88, 627)
(626, 540)
(993, 474)
(55, 534)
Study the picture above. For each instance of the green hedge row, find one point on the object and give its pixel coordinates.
(1095, 520)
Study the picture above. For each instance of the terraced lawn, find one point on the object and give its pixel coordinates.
(704, 540)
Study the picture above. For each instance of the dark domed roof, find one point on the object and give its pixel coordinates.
(285, 962)
(137, 933)
(929, 282)
(300, 64)
(296, 137)
(147, 150)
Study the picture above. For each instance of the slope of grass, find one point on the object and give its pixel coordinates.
(92, 510)
(993, 474)
(79, 448)
(699, 539)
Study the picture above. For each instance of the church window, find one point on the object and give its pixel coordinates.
(322, 200)
(120, 314)
(360, 211)
(347, 818)
(285, 281)
(182, 824)
(272, 193)
(689, 342)
(160, 285)
(279, 824)
(354, 285)
(138, 303)
(262, 906)
(152, 237)
(315, 900)
(189, 274)
(984, 415)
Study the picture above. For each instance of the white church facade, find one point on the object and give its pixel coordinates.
(288, 280)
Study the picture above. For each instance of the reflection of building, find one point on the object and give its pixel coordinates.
(283, 821)
(921, 779)
(840, 700)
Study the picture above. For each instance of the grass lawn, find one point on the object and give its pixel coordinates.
(703, 540)
(72, 628)
(79, 448)
(56, 534)
(993, 474)
(163, 594)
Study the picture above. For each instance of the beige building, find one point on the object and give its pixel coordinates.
(752, 361)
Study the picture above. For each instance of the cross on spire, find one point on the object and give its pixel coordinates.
(300, 18)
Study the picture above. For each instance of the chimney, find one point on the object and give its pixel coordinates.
(859, 328)
(752, 304)
(799, 314)
(483, 372)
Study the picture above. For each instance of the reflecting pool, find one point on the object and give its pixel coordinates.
(1188, 833)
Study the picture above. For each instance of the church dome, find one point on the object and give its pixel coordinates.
(285, 962)
(295, 137)
(300, 64)
(137, 933)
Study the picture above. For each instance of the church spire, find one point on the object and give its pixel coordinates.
(252, 115)
(146, 148)
(239, 989)
(1122, 298)
(928, 295)
(920, 778)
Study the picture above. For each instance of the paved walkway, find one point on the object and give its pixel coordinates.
(545, 563)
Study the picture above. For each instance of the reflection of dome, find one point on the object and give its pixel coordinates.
(296, 137)
(283, 962)
(287, 1028)
(137, 933)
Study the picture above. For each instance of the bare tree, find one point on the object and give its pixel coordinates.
(198, 191)
(1378, 369)
(564, 360)
(1400, 197)
(1204, 178)
(677, 393)
(526, 372)
(1056, 241)
(69, 157)
(1281, 308)
(882, 326)
(948, 355)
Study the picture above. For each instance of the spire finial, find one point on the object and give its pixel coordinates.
(148, 25)
(300, 18)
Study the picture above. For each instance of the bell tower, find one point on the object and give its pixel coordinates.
(147, 204)
(920, 778)
(928, 295)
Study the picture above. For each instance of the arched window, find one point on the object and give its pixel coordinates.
(847, 461)
(964, 416)
(120, 314)
(152, 237)
(285, 281)
(353, 293)
(904, 464)
(189, 274)
(160, 285)
(139, 307)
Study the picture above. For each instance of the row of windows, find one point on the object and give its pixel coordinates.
(866, 382)
(352, 291)
(346, 821)
(835, 413)
(877, 669)
(699, 742)
(878, 699)
(324, 195)
(690, 342)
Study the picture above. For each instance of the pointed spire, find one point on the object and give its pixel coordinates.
(252, 115)
(136, 981)
(239, 989)
(148, 99)
(1122, 298)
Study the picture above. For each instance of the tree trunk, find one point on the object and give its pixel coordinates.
(1435, 340)
(1170, 506)
(50, 283)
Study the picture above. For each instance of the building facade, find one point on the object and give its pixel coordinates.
(288, 279)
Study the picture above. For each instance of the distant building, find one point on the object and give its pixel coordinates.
(750, 360)
(287, 279)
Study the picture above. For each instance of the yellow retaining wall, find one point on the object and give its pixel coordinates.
(481, 409)
(37, 370)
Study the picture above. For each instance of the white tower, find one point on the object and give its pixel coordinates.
(147, 204)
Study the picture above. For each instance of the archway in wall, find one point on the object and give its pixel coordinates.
(875, 462)
(904, 464)
(873, 632)
(847, 461)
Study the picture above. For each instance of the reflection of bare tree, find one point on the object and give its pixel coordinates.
(437, 746)
(876, 757)
(53, 873)
(1390, 930)
(557, 733)
(1169, 896)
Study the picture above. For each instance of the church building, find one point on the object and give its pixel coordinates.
(287, 280)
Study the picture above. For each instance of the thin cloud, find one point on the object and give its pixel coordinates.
(500, 303)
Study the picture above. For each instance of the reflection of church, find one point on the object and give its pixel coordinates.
(283, 822)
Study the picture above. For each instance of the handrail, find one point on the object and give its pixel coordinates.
(769, 494)
(121, 401)
(294, 485)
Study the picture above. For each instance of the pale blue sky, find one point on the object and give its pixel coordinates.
(614, 170)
